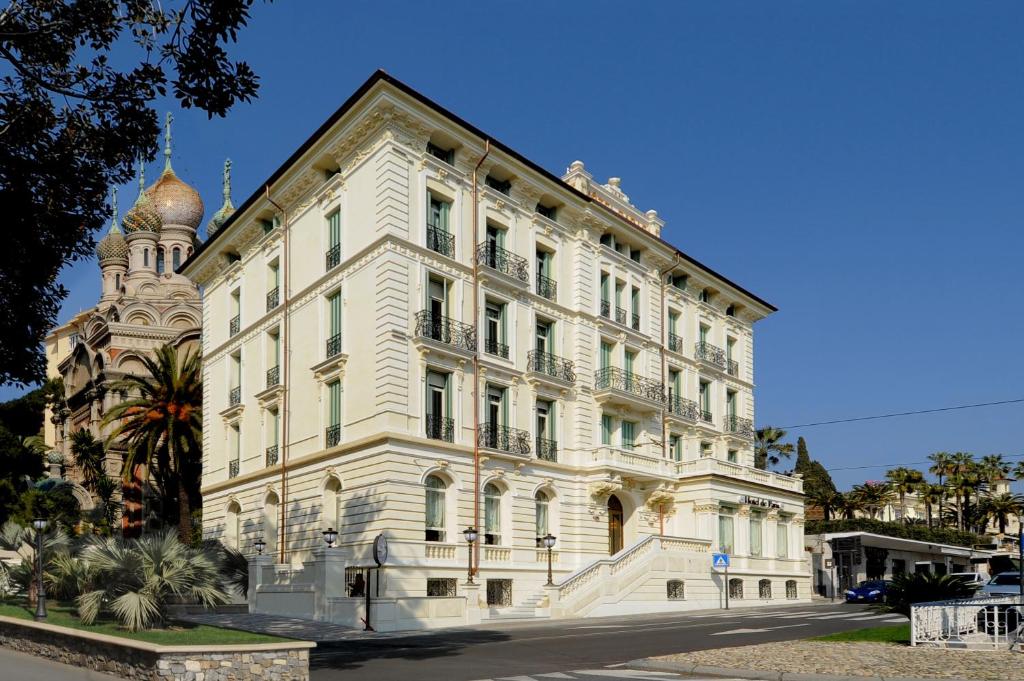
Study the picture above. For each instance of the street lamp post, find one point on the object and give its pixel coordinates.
(471, 535)
(549, 543)
(39, 525)
(260, 545)
(330, 536)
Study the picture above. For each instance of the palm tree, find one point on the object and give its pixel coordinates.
(962, 479)
(903, 480)
(89, 454)
(993, 468)
(941, 462)
(768, 447)
(829, 501)
(930, 495)
(1000, 507)
(873, 496)
(162, 428)
(849, 503)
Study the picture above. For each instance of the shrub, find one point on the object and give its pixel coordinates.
(922, 587)
(936, 535)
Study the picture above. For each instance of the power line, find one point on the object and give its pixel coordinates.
(905, 463)
(904, 413)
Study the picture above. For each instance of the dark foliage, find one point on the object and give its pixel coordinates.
(922, 587)
(816, 477)
(72, 124)
(892, 529)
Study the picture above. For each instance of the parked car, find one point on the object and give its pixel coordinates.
(975, 580)
(868, 591)
(1003, 584)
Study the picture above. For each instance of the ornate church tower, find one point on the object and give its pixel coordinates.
(142, 226)
(227, 208)
(112, 253)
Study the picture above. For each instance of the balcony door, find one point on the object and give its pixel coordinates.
(615, 525)
(438, 406)
(438, 298)
(544, 337)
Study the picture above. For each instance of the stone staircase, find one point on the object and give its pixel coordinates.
(528, 609)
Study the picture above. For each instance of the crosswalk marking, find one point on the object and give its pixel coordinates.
(553, 675)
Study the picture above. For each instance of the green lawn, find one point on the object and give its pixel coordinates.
(899, 633)
(179, 634)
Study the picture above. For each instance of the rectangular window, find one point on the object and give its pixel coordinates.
(334, 324)
(675, 447)
(440, 424)
(756, 533)
(628, 435)
(730, 403)
(547, 212)
(497, 406)
(673, 322)
(725, 533)
(503, 186)
(629, 361)
(494, 329)
(635, 306)
(546, 419)
(543, 339)
(441, 587)
(606, 355)
(704, 331)
(439, 211)
(705, 400)
(334, 403)
(606, 429)
(333, 255)
(675, 383)
(733, 456)
(782, 543)
(608, 240)
(679, 281)
(634, 255)
(446, 155)
(706, 449)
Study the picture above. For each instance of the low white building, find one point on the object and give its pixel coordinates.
(410, 329)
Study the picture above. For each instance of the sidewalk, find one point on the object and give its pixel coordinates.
(834, 661)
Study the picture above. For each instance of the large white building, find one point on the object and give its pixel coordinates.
(410, 329)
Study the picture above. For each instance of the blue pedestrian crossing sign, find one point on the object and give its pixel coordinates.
(719, 560)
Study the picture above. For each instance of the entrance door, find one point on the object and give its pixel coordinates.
(615, 521)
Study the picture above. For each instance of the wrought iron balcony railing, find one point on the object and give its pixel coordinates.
(504, 438)
(552, 365)
(235, 396)
(547, 450)
(682, 407)
(445, 330)
(636, 322)
(333, 434)
(273, 298)
(334, 345)
(506, 262)
(233, 468)
(620, 315)
(272, 455)
(675, 343)
(547, 287)
(617, 379)
(333, 256)
(606, 309)
(234, 325)
(740, 426)
(706, 416)
(440, 241)
(733, 367)
(440, 428)
(710, 353)
(273, 376)
(493, 347)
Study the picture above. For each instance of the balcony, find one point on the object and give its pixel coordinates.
(504, 438)
(547, 450)
(547, 287)
(333, 345)
(620, 315)
(546, 365)
(706, 416)
(440, 428)
(682, 408)
(332, 257)
(440, 241)
(493, 347)
(615, 386)
(333, 435)
(233, 468)
(235, 396)
(710, 354)
(739, 426)
(636, 321)
(445, 331)
(501, 260)
(733, 367)
(271, 456)
(632, 462)
(675, 343)
(273, 298)
(712, 466)
(234, 325)
(606, 309)
(273, 377)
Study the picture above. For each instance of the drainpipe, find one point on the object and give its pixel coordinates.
(285, 360)
(476, 358)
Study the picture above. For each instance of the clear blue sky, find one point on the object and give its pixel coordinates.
(858, 164)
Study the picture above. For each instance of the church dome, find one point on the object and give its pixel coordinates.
(142, 217)
(113, 248)
(175, 202)
(227, 209)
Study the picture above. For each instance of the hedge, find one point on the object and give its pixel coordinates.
(896, 529)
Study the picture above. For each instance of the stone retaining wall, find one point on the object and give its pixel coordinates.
(139, 661)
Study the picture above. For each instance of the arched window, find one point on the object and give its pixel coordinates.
(270, 519)
(332, 505)
(735, 588)
(117, 282)
(188, 253)
(232, 526)
(159, 260)
(176, 257)
(492, 514)
(764, 589)
(145, 257)
(676, 590)
(791, 589)
(542, 506)
(435, 520)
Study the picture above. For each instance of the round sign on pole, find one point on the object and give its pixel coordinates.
(380, 550)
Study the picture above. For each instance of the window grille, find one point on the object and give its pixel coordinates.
(441, 587)
(499, 593)
(735, 588)
(791, 589)
(764, 589)
(676, 590)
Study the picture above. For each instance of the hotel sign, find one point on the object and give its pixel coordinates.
(759, 501)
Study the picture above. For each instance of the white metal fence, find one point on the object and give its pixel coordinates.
(995, 623)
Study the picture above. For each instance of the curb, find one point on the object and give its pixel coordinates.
(651, 664)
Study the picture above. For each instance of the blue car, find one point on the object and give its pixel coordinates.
(868, 591)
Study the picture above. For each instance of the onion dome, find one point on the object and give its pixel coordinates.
(176, 202)
(142, 217)
(227, 209)
(113, 248)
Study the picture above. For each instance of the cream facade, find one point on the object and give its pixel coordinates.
(373, 365)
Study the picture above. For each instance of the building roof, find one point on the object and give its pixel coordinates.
(900, 543)
(382, 76)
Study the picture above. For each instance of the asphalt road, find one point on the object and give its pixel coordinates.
(567, 649)
(15, 666)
